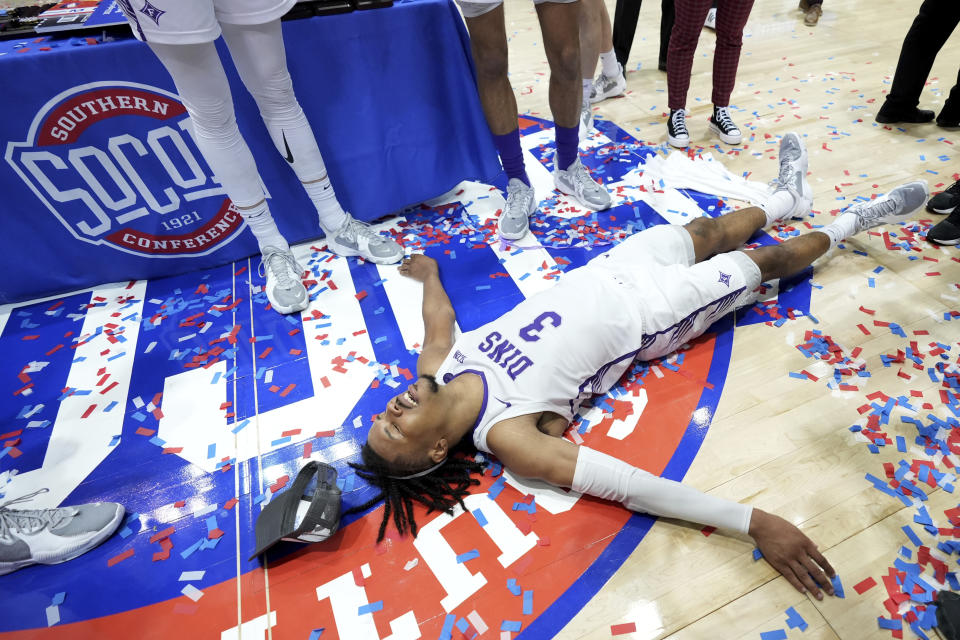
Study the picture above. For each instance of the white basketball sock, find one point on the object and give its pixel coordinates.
(603, 476)
(779, 206)
(608, 63)
(843, 226)
(262, 225)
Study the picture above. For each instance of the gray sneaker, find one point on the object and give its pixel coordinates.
(51, 536)
(793, 175)
(606, 87)
(586, 121)
(515, 218)
(897, 205)
(577, 182)
(356, 238)
(284, 288)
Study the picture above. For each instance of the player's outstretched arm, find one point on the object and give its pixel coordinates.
(532, 454)
(438, 315)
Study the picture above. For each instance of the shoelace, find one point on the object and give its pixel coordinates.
(881, 208)
(722, 117)
(514, 193)
(582, 178)
(679, 122)
(356, 230)
(276, 261)
(28, 520)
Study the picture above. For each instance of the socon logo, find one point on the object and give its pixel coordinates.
(116, 164)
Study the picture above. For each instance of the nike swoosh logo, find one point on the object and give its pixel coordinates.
(504, 402)
(287, 147)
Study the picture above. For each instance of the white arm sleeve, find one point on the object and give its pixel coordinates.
(603, 476)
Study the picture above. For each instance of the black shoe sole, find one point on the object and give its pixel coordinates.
(942, 212)
(900, 120)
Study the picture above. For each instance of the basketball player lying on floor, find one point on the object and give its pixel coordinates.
(515, 383)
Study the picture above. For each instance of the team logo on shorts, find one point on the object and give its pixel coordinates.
(724, 278)
(152, 12)
(116, 164)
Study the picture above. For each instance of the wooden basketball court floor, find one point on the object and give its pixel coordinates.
(780, 443)
(779, 439)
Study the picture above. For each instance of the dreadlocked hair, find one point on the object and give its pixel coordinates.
(439, 490)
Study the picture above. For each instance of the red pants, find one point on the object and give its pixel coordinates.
(731, 17)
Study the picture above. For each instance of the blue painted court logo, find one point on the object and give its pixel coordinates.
(142, 187)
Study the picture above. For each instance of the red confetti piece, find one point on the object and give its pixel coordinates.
(172, 450)
(160, 535)
(621, 629)
(213, 534)
(120, 557)
(360, 294)
(307, 450)
(290, 387)
(706, 531)
(864, 586)
(143, 431)
(325, 382)
(325, 434)
(265, 353)
(89, 411)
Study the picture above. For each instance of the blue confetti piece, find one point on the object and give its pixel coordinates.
(446, 633)
(757, 554)
(837, 586)
(59, 598)
(481, 519)
(901, 444)
(370, 608)
(515, 625)
(513, 587)
(469, 555)
(776, 634)
(240, 427)
(316, 633)
(211, 450)
(889, 624)
(496, 488)
(528, 602)
(795, 620)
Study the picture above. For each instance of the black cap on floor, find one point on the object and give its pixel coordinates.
(309, 511)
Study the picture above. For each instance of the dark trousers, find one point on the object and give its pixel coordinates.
(928, 33)
(625, 26)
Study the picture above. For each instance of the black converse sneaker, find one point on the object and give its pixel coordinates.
(722, 125)
(677, 134)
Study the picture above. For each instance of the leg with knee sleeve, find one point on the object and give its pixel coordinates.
(203, 89)
(260, 58)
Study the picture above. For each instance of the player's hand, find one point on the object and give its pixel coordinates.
(791, 553)
(419, 267)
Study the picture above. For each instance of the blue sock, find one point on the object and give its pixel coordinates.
(511, 155)
(567, 141)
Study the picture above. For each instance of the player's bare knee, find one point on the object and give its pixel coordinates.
(565, 62)
(490, 61)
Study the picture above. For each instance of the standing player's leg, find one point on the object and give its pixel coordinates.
(488, 43)
(258, 52)
(204, 91)
(559, 24)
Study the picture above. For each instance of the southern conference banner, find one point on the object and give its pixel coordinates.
(102, 180)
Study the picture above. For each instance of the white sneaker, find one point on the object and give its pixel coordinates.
(793, 175)
(356, 238)
(514, 220)
(711, 21)
(586, 120)
(576, 181)
(51, 536)
(898, 204)
(606, 87)
(677, 134)
(284, 288)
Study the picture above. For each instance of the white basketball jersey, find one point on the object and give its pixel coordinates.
(551, 351)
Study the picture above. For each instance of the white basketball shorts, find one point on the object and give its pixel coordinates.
(196, 21)
(678, 298)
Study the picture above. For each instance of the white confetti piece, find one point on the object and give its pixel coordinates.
(192, 592)
(411, 564)
(186, 576)
(53, 615)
